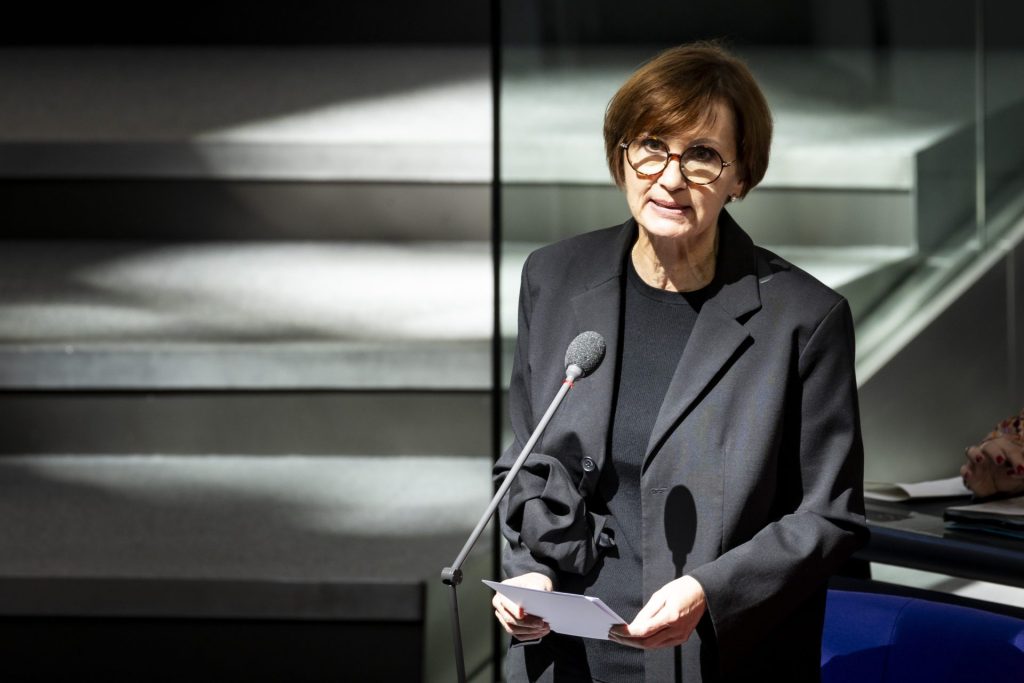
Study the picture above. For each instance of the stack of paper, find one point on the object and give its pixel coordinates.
(940, 488)
(1003, 517)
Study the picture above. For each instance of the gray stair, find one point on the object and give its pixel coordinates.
(245, 347)
(331, 539)
(257, 144)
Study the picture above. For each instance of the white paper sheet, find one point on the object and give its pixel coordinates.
(568, 613)
(1008, 508)
(939, 488)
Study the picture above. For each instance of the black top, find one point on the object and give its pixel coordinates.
(656, 325)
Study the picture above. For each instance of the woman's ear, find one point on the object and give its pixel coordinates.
(737, 191)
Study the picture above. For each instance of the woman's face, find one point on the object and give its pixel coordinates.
(666, 205)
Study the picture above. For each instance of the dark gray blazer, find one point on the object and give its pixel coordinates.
(752, 481)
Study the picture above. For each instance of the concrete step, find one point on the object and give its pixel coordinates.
(246, 142)
(258, 423)
(289, 315)
(245, 315)
(296, 519)
(392, 114)
(859, 157)
(252, 539)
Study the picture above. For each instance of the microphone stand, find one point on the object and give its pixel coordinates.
(452, 576)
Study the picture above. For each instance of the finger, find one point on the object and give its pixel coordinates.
(663, 638)
(669, 637)
(515, 611)
(980, 481)
(648, 619)
(517, 616)
(625, 640)
(976, 455)
(1014, 451)
(532, 630)
(527, 621)
(503, 604)
(640, 630)
(996, 452)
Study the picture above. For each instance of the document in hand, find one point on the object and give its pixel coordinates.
(568, 613)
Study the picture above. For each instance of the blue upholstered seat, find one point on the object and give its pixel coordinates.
(873, 638)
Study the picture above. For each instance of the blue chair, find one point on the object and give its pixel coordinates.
(872, 637)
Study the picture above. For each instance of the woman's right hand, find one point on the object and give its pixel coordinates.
(513, 618)
(995, 466)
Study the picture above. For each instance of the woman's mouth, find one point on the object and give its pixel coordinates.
(668, 206)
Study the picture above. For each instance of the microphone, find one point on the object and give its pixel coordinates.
(584, 354)
(582, 358)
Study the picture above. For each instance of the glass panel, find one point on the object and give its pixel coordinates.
(873, 160)
(873, 185)
(1004, 110)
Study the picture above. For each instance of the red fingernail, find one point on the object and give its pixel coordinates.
(1020, 469)
(1000, 459)
(978, 459)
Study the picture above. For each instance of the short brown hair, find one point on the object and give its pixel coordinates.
(677, 90)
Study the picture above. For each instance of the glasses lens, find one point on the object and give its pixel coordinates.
(647, 155)
(701, 165)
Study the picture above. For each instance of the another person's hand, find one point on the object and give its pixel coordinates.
(668, 618)
(513, 618)
(995, 466)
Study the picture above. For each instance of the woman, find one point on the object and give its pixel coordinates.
(706, 479)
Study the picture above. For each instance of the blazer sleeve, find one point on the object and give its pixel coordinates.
(544, 517)
(754, 585)
(516, 558)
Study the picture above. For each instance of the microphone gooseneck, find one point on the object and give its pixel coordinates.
(584, 354)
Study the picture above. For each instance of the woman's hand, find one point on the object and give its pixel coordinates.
(513, 618)
(995, 466)
(667, 619)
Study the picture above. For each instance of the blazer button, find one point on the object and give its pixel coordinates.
(589, 465)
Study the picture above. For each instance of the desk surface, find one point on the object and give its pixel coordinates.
(913, 534)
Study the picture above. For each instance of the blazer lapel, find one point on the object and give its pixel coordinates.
(598, 308)
(718, 335)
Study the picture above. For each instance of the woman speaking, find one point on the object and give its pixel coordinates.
(706, 480)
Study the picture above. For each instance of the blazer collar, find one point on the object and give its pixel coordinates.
(719, 336)
(598, 308)
(736, 268)
(717, 339)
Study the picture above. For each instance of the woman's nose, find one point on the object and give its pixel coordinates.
(672, 177)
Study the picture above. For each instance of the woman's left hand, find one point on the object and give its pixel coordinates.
(667, 619)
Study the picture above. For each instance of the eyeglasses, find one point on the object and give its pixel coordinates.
(700, 165)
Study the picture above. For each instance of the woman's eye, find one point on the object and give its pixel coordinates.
(701, 153)
(653, 145)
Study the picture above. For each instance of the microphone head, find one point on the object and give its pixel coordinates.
(586, 352)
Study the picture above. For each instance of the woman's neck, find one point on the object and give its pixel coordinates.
(674, 264)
